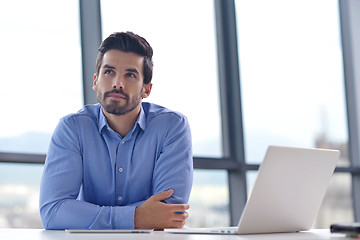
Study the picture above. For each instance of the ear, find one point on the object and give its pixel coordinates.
(95, 81)
(146, 90)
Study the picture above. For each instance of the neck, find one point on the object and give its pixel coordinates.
(122, 124)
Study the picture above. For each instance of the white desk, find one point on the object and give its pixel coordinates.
(40, 234)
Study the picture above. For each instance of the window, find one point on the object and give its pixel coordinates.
(41, 71)
(292, 83)
(41, 82)
(19, 195)
(210, 195)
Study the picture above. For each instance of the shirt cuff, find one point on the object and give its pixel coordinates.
(124, 217)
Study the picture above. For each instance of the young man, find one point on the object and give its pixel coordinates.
(123, 163)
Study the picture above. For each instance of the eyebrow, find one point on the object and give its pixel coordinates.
(133, 70)
(108, 66)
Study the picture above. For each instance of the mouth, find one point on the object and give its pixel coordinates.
(116, 95)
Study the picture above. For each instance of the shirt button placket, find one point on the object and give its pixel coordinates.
(121, 170)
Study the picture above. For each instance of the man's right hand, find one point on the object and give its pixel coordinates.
(154, 214)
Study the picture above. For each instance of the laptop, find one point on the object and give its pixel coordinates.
(287, 193)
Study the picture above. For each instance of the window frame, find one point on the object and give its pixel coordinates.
(233, 159)
(350, 36)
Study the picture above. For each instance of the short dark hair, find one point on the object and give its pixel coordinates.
(128, 42)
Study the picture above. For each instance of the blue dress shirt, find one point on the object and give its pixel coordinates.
(93, 178)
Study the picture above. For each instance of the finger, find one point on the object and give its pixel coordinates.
(180, 216)
(163, 195)
(178, 207)
(177, 224)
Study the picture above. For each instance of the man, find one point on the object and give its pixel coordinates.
(123, 163)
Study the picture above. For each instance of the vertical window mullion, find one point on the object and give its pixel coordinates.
(229, 76)
(90, 25)
(350, 33)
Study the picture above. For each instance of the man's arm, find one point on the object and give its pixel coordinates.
(174, 167)
(172, 180)
(61, 183)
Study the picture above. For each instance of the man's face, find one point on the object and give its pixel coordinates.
(119, 84)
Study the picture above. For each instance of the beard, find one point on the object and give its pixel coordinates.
(113, 106)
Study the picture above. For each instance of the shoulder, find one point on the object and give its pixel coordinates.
(161, 121)
(87, 113)
(157, 113)
(74, 126)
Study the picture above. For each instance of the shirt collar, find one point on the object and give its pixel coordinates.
(141, 120)
(102, 120)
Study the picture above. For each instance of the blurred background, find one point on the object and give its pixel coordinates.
(286, 56)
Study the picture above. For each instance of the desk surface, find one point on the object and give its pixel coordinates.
(40, 234)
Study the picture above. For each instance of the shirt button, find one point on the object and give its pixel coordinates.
(121, 169)
(120, 198)
(109, 128)
(122, 142)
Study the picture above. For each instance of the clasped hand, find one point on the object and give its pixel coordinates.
(155, 214)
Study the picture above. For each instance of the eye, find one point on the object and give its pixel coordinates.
(130, 75)
(108, 71)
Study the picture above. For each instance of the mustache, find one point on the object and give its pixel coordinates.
(118, 91)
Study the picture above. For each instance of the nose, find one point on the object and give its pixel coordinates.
(118, 83)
